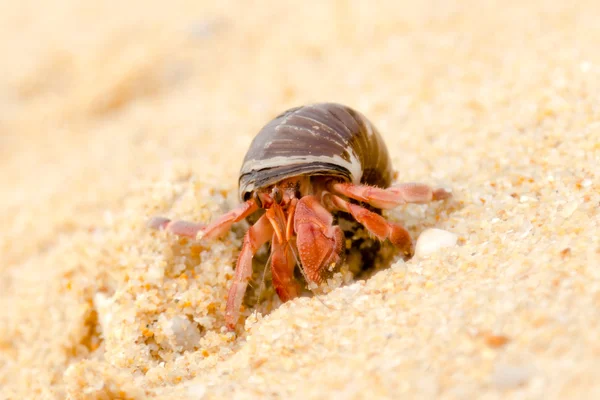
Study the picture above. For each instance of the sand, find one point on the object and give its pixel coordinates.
(113, 112)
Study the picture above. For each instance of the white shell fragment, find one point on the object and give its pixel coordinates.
(431, 240)
(509, 377)
(179, 332)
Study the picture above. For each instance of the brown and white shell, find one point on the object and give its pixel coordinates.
(319, 139)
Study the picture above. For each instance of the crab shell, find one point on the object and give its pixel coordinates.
(323, 139)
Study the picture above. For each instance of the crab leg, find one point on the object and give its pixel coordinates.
(255, 237)
(375, 223)
(319, 243)
(180, 228)
(282, 270)
(213, 230)
(392, 196)
(289, 229)
(282, 258)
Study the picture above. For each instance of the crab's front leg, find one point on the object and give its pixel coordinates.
(375, 223)
(319, 243)
(213, 230)
(392, 196)
(255, 237)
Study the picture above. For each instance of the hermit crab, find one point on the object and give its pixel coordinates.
(305, 164)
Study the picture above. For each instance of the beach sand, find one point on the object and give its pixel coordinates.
(112, 112)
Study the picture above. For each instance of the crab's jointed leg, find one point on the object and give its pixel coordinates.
(186, 229)
(255, 237)
(374, 223)
(289, 229)
(392, 196)
(319, 243)
(213, 230)
(282, 258)
(282, 270)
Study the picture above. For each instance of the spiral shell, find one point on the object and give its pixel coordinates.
(319, 139)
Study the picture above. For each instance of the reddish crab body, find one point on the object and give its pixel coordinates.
(305, 164)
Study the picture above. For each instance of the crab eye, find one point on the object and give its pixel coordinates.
(277, 195)
(257, 199)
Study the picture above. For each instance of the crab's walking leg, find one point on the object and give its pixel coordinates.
(180, 228)
(211, 231)
(319, 243)
(375, 223)
(282, 270)
(255, 237)
(282, 258)
(289, 229)
(392, 196)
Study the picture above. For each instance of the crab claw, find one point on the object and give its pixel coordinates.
(319, 243)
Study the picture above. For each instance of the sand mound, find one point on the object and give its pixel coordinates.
(110, 114)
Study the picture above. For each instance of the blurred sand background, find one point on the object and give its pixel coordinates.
(111, 112)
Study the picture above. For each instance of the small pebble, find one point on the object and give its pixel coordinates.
(510, 377)
(178, 331)
(431, 240)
